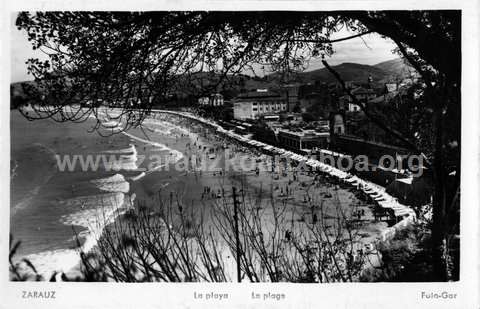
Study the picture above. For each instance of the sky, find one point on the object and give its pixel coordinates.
(21, 51)
(369, 49)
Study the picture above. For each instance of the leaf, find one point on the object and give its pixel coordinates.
(30, 265)
(14, 249)
(52, 278)
(64, 277)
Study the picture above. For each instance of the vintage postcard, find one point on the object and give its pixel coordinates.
(166, 155)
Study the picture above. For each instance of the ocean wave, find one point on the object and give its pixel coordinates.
(126, 159)
(94, 220)
(131, 149)
(126, 163)
(92, 212)
(143, 174)
(97, 211)
(177, 155)
(48, 262)
(112, 125)
(92, 201)
(115, 183)
(137, 177)
(22, 204)
(167, 128)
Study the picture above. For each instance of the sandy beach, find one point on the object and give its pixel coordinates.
(303, 196)
(179, 162)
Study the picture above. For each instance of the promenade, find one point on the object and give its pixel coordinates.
(404, 214)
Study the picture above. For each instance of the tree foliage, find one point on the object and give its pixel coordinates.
(133, 60)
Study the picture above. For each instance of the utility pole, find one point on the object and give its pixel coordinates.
(237, 236)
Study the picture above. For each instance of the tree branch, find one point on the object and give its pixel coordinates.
(414, 63)
(363, 107)
(336, 40)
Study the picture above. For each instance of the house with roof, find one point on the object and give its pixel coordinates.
(251, 105)
(215, 99)
(361, 94)
(301, 140)
(390, 87)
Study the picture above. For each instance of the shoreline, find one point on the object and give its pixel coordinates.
(374, 191)
(247, 143)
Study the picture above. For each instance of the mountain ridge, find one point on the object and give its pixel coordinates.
(381, 72)
(351, 71)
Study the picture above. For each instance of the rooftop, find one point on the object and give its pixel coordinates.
(259, 94)
(304, 133)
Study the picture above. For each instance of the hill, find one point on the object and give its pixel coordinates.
(17, 93)
(381, 72)
(395, 67)
(348, 71)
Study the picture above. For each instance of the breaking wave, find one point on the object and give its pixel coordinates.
(115, 183)
(91, 213)
(177, 155)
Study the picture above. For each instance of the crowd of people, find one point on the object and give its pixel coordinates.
(206, 152)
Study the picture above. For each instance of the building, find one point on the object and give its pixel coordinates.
(252, 105)
(390, 87)
(349, 84)
(203, 101)
(270, 118)
(384, 98)
(291, 118)
(338, 124)
(291, 92)
(323, 125)
(303, 139)
(361, 94)
(215, 99)
(344, 102)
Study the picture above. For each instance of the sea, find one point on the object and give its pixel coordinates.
(57, 208)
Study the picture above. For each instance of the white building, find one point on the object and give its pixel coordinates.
(215, 99)
(303, 139)
(254, 104)
(361, 94)
(253, 110)
(338, 124)
(203, 101)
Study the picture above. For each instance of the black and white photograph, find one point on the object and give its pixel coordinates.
(283, 147)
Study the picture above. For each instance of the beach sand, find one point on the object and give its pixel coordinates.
(200, 192)
(180, 162)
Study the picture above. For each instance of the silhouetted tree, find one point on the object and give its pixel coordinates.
(131, 59)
